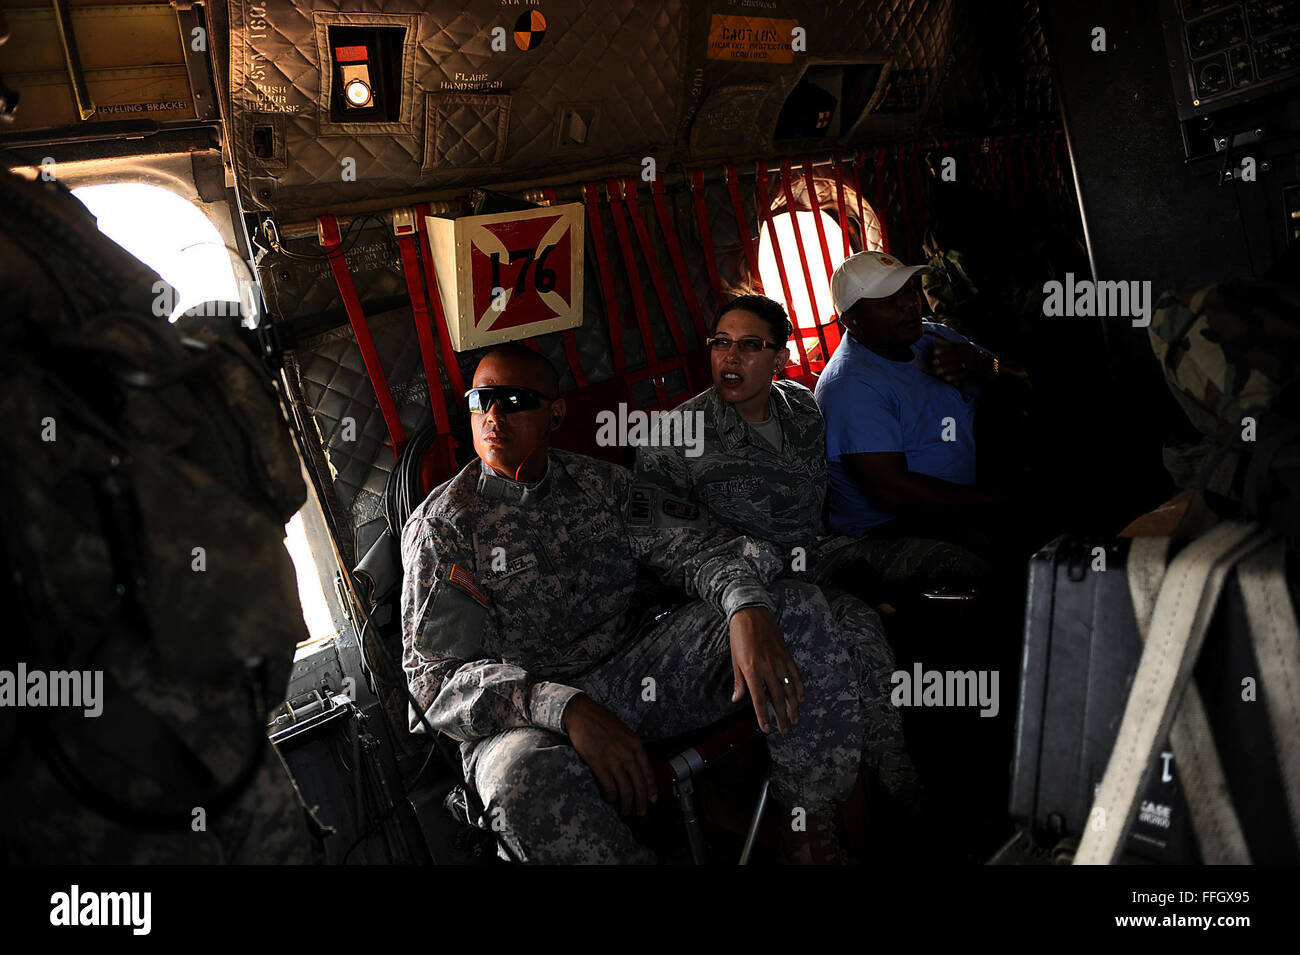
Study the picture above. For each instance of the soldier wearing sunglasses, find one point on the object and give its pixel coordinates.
(521, 640)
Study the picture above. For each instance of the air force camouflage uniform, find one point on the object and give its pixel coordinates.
(778, 496)
(518, 597)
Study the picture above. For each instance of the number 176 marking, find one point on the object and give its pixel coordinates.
(543, 279)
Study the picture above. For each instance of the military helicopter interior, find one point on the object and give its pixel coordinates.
(399, 186)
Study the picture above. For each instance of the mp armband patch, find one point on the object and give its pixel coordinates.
(640, 507)
(464, 581)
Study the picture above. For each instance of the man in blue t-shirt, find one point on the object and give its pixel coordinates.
(898, 398)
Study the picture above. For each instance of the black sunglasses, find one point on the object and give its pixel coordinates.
(512, 398)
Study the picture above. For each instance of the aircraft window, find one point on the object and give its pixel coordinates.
(174, 238)
(768, 272)
(170, 235)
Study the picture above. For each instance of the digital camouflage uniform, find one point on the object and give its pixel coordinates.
(1227, 351)
(182, 449)
(749, 486)
(1230, 353)
(516, 598)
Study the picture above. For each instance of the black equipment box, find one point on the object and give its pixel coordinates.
(1081, 652)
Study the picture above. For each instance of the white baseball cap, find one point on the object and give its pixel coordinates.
(868, 275)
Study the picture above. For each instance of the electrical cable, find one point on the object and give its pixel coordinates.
(1225, 177)
(351, 235)
(1245, 233)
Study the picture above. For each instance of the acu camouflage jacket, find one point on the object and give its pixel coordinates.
(510, 588)
(747, 485)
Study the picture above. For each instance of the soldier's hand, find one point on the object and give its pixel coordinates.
(959, 361)
(762, 665)
(615, 754)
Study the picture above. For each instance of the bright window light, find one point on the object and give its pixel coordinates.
(174, 238)
(804, 312)
(170, 235)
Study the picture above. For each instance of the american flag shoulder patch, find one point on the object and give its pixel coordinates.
(463, 579)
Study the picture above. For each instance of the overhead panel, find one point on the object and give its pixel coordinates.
(129, 56)
(491, 93)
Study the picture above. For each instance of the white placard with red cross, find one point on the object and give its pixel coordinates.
(509, 275)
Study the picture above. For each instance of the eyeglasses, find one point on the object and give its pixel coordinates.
(509, 398)
(748, 346)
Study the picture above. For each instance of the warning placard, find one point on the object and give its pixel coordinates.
(758, 39)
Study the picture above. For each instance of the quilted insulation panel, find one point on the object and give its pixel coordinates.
(649, 76)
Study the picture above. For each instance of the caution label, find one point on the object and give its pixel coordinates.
(758, 39)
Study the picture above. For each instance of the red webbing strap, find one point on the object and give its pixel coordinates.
(1052, 174)
(569, 336)
(1008, 161)
(443, 452)
(1040, 168)
(328, 231)
(742, 226)
(880, 195)
(612, 187)
(1021, 146)
(904, 200)
(423, 330)
(843, 209)
(652, 264)
(613, 315)
(995, 182)
(1064, 176)
(674, 244)
(811, 186)
(449, 362)
(706, 236)
(1059, 149)
(765, 211)
(658, 376)
(786, 176)
(922, 208)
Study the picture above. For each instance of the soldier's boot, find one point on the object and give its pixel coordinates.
(818, 843)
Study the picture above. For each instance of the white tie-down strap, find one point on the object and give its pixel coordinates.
(1209, 802)
(1276, 640)
(1146, 570)
(1183, 608)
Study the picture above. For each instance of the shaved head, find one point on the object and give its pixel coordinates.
(533, 370)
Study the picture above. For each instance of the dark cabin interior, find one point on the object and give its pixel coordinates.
(1009, 139)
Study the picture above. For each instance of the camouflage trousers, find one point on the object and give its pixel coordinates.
(675, 676)
(884, 749)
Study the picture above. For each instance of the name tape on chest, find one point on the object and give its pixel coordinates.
(745, 488)
(509, 566)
